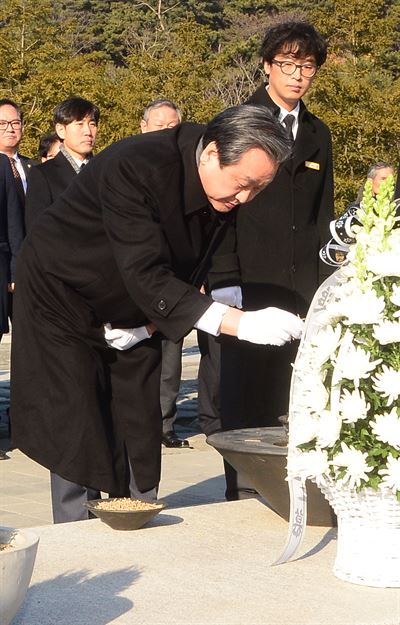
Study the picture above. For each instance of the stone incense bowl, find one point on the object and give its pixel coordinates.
(260, 454)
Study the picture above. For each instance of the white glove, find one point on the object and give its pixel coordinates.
(122, 339)
(229, 295)
(269, 326)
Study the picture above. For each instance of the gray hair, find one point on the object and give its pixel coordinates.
(373, 170)
(241, 128)
(156, 104)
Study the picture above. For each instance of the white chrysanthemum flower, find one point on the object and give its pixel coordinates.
(387, 332)
(363, 308)
(384, 263)
(393, 239)
(303, 429)
(353, 406)
(354, 364)
(354, 462)
(391, 475)
(312, 393)
(325, 343)
(330, 424)
(395, 297)
(349, 270)
(309, 464)
(386, 428)
(387, 383)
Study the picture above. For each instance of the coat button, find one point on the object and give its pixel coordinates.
(293, 268)
(162, 304)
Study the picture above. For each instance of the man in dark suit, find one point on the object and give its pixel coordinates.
(11, 132)
(280, 232)
(11, 237)
(162, 114)
(128, 245)
(75, 122)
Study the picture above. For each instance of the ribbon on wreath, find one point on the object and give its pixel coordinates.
(297, 488)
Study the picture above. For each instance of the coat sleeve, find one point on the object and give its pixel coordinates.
(38, 196)
(131, 215)
(15, 220)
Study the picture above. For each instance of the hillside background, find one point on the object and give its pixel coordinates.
(122, 54)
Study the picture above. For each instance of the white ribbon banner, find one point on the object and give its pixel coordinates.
(297, 489)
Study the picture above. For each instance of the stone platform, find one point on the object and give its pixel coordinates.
(199, 565)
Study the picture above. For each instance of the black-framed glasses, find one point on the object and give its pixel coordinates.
(308, 70)
(14, 123)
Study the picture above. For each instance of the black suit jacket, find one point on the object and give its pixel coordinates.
(280, 232)
(128, 235)
(27, 164)
(123, 244)
(45, 183)
(397, 191)
(11, 235)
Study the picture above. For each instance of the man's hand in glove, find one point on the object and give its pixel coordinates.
(269, 326)
(122, 339)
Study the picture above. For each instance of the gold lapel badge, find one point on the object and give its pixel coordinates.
(312, 165)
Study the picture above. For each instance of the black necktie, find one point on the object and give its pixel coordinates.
(288, 124)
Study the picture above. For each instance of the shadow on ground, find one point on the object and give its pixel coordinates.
(79, 598)
(198, 494)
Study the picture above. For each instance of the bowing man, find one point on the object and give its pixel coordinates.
(127, 246)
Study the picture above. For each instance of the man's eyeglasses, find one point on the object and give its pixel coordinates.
(14, 123)
(288, 67)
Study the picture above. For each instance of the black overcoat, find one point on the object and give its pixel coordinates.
(11, 236)
(45, 183)
(123, 244)
(279, 235)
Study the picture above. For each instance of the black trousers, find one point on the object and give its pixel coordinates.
(171, 372)
(209, 383)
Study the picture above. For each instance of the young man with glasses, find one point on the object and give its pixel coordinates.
(11, 132)
(280, 232)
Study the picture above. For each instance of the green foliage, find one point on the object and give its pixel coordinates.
(204, 55)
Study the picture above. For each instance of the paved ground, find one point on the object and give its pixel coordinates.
(189, 476)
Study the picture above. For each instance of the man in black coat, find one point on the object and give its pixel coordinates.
(128, 245)
(280, 232)
(11, 237)
(75, 121)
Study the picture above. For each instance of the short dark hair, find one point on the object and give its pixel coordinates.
(295, 36)
(241, 128)
(156, 104)
(45, 143)
(74, 109)
(5, 101)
